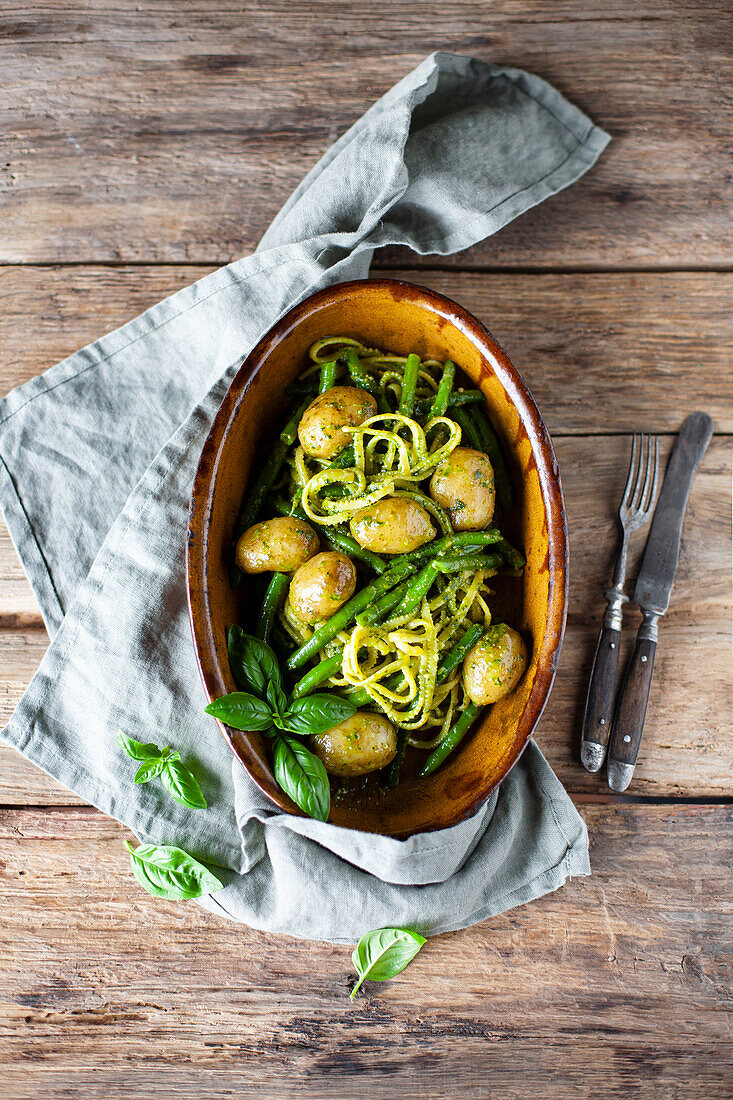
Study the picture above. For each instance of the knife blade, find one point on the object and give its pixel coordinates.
(652, 592)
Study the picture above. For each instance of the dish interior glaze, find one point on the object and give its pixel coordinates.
(403, 318)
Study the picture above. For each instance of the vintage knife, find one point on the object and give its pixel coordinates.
(653, 587)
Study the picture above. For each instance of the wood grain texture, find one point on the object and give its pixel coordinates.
(174, 132)
(601, 353)
(616, 985)
(685, 750)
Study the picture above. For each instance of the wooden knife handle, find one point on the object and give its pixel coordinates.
(601, 696)
(628, 723)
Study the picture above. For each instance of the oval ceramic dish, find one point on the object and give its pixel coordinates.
(403, 318)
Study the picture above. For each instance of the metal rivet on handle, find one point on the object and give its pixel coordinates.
(626, 738)
(602, 722)
(643, 659)
(613, 645)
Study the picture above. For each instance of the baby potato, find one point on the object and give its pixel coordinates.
(363, 743)
(494, 666)
(321, 427)
(322, 586)
(279, 545)
(392, 526)
(464, 485)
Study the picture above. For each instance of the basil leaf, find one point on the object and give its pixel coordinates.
(276, 698)
(317, 713)
(168, 872)
(383, 953)
(179, 781)
(241, 711)
(302, 776)
(252, 661)
(136, 749)
(150, 768)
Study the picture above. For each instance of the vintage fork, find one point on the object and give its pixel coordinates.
(635, 511)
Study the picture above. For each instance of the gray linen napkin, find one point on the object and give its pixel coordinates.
(97, 458)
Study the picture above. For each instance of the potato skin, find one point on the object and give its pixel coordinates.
(394, 525)
(363, 743)
(464, 485)
(279, 545)
(321, 586)
(320, 429)
(495, 665)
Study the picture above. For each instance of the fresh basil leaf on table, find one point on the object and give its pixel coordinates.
(384, 953)
(302, 776)
(149, 769)
(136, 749)
(183, 785)
(168, 872)
(252, 661)
(242, 711)
(315, 714)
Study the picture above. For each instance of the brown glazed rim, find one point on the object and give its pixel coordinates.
(197, 557)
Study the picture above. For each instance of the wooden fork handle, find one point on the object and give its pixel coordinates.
(600, 699)
(628, 723)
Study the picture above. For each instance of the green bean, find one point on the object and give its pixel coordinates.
(285, 508)
(417, 588)
(445, 388)
(452, 659)
(457, 562)
(424, 407)
(490, 444)
(317, 675)
(297, 389)
(392, 775)
(469, 432)
(350, 546)
(274, 597)
(343, 458)
(382, 606)
(338, 622)
(451, 740)
(280, 642)
(328, 376)
(457, 542)
(409, 382)
(515, 561)
(465, 397)
(359, 374)
(270, 471)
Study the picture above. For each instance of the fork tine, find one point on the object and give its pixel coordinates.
(644, 453)
(633, 473)
(650, 497)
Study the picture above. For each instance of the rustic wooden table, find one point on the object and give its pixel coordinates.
(143, 145)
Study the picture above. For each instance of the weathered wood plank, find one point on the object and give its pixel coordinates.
(685, 747)
(138, 133)
(616, 984)
(602, 353)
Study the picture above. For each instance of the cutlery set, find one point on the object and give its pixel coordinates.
(614, 720)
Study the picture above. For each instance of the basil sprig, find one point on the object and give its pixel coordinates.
(165, 763)
(384, 953)
(263, 706)
(169, 872)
